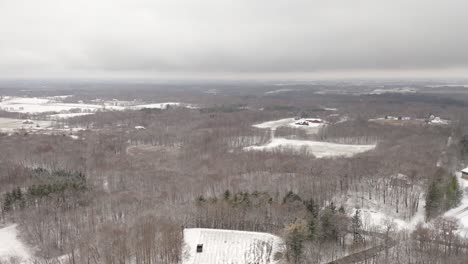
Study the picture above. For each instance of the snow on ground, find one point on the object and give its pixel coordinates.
(330, 109)
(279, 91)
(376, 217)
(230, 247)
(318, 148)
(155, 106)
(11, 246)
(447, 85)
(10, 124)
(376, 214)
(38, 105)
(53, 104)
(403, 90)
(67, 115)
(461, 212)
(311, 128)
(439, 121)
(275, 124)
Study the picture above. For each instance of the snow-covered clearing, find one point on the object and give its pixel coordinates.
(11, 247)
(461, 212)
(318, 148)
(230, 247)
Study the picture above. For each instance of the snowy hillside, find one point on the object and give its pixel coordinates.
(219, 246)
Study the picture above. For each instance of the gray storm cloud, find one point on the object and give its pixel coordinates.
(223, 36)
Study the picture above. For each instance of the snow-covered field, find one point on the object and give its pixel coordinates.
(11, 247)
(41, 105)
(11, 124)
(318, 148)
(54, 104)
(230, 247)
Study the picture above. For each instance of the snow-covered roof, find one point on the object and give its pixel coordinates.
(229, 246)
(465, 170)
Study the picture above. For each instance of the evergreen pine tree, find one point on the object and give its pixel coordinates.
(433, 200)
(227, 195)
(453, 193)
(312, 207)
(312, 226)
(7, 202)
(341, 210)
(356, 226)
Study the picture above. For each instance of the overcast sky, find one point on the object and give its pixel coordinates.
(158, 38)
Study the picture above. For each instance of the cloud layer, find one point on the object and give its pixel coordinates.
(210, 37)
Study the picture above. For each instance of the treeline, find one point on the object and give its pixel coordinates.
(50, 183)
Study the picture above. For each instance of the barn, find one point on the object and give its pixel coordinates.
(465, 173)
(216, 246)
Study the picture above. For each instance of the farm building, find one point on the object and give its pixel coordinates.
(216, 246)
(465, 173)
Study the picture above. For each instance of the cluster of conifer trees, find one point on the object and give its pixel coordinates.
(50, 182)
(444, 192)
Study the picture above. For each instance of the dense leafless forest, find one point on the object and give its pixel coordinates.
(120, 186)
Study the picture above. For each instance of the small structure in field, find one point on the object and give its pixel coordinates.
(465, 173)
